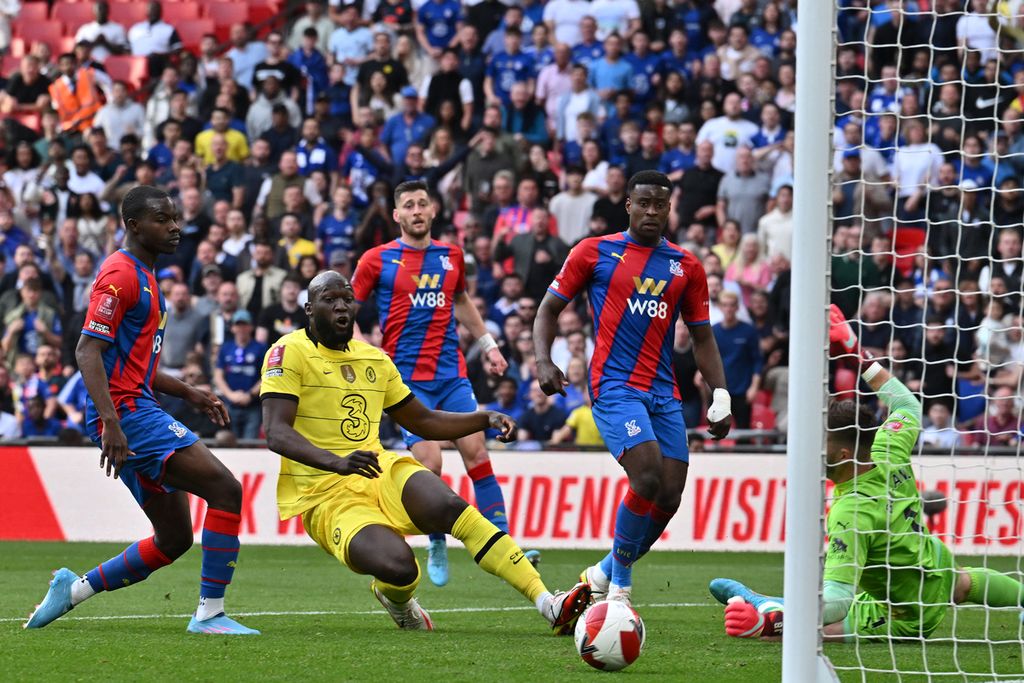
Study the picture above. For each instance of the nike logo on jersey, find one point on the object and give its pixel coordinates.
(327, 372)
(115, 290)
(619, 256)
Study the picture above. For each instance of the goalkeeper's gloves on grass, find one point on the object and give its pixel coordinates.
(742, 620)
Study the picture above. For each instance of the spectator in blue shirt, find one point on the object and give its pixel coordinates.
(646, 66)
(611, 73)
(507, 68)
(513, 18)
(740, 348)
(506, 400)
(313, 153)
(237, 376)
(71, 400)
(407, 127)
(336, 230)
(589, 49)
(438, 22)
(524, 119)
(11, 237)
(313, 66)
(36, 423)
(680, 150)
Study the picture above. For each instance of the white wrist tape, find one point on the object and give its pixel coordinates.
(486, 343)
(872, 370)
(721, 406)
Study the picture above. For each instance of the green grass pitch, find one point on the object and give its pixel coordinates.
(320, 623)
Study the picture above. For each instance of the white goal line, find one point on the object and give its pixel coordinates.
(315, 613)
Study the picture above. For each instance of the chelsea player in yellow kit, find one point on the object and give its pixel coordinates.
(323, 397)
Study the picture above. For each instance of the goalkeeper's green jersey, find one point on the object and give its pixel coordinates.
(878, 540)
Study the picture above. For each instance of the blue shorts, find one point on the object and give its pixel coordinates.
(453, 395)
(153, 436)
(627, 417)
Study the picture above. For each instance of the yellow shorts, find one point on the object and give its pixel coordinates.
(360, 502)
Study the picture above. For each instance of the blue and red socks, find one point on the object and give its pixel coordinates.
(220, 555)
(655, 528)
(631, 524)
(489, 499)
(135, 564)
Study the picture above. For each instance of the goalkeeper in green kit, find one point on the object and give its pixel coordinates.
(886, 576)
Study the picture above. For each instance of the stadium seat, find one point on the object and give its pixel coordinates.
(175, 12)
(46, 31)
(63, 44)
(906, 242)
(845, 381)
(764, 398)
(27, 119)
(762, 417)
(132, 70)
(18, 48)
(31, 13)
(224, 14)
(193, 30)
(73, 15)
(9, 65)
(127, 13)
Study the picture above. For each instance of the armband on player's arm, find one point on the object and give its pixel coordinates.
(837, 598)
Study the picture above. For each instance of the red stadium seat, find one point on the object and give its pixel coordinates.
(128, 13)
(907, 242)
(132, 70)
(180, 11)
(9, 65)
(226, 14)
(193, 30)
(46, 31)
(63, 44)
(762, 417)
(845, 382)
(31, 13)
(73, 15)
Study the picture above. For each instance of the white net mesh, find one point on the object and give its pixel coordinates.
(926, 261)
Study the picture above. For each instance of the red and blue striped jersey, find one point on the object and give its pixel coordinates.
(416, 290)
(127, 308)
(636, 293)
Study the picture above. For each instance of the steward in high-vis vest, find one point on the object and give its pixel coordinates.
(75, 94)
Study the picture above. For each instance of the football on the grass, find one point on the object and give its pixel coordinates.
(609, 635)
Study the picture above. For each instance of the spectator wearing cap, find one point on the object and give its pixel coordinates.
(184, 330)
(315, 18)
(409, 126)
(507, 67)
(350, 44)
(271, 97)
(312, 65)
(107, 37)
(220, 123)
(154, 38)
(236, 376)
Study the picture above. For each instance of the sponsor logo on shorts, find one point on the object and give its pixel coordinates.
(107, 306)
(348, 373)
(632, 429)
(276, 357)
(274, 372)
(337, 536)
(371, 376)
(178, 429)
(99, 327)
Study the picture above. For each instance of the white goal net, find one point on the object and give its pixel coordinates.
(927, 208)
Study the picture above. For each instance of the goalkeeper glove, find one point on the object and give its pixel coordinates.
(842, 340)
(742, 620)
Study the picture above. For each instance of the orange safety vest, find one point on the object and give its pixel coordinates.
(76, 109)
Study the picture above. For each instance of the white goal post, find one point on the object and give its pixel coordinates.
(802, 658)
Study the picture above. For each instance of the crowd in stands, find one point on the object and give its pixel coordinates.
(282, 145)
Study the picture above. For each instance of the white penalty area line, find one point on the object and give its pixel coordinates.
(317, 613)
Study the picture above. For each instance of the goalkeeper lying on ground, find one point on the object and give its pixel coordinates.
(878, 543)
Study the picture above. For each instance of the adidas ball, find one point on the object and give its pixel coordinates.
(609, 635)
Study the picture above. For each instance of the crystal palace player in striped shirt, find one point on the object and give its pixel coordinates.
(638, 284)
(154, 455)
(421, 292)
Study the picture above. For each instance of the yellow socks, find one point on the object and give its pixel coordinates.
(399, 594)
(497, 553)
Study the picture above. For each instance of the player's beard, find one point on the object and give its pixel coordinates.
(331, 336)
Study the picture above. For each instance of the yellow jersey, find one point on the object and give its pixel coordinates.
(582, 422)
(341, 397)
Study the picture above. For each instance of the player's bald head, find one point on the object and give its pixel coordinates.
(324, 281)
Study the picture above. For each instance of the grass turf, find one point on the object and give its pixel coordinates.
(327, 626)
